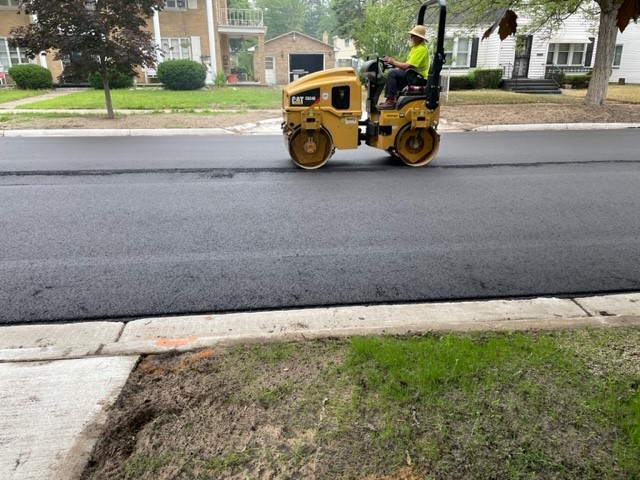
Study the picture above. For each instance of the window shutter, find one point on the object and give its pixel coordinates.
(474, 52)
(589, 55)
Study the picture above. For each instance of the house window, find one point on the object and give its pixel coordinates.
(10, 56)
(9, 3)
(566, 54)
(617, 56)
(176, 4)
(176, 48)
(346, 42)
(268, 63)
(458, 51)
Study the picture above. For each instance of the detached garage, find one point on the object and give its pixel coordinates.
(294, 55)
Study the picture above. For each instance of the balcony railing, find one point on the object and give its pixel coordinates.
(239, 17)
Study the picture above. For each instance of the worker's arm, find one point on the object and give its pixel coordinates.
(395, 63)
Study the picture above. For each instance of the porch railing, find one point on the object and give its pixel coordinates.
(240, 17)
(578, 69)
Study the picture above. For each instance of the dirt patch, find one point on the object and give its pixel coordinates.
(519, 405)
(461, 116)
(471, 116)
(151, 120)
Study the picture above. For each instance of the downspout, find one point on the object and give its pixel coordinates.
(212, 38)
(157, 37)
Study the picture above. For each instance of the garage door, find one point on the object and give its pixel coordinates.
(301, 64)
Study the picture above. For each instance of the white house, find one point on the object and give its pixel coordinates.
(570, 48)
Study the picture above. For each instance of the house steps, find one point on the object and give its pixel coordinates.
(530, 85)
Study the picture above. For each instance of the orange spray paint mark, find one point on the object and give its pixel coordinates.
(175, 342)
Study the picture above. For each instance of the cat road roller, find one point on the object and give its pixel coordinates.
(322, 111)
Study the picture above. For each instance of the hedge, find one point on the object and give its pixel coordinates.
(182, 74)
(577, 81)
(487, 78)
(461, 82)
(116, 80)
(30, 76)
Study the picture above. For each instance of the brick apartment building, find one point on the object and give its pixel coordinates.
(198, 30)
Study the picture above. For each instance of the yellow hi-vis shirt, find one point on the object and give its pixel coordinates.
(419, 58)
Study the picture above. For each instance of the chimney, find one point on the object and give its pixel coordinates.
(325, 37)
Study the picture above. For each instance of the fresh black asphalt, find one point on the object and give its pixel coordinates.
(100, 228)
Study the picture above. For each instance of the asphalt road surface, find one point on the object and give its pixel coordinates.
(118, 228)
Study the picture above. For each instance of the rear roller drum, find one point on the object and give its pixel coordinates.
(417, 147)
(310, 149)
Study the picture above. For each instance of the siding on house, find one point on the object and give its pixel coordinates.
(629, 68)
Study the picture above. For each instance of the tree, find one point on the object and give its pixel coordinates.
(614, 15)
(350, 14)
(282, 16)
(98, 35)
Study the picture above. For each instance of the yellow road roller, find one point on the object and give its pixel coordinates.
(323, 111)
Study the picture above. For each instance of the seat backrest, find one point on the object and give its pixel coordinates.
(414, 78)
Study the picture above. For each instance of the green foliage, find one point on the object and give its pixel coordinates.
(221, 79)
(577, 81)
(487, 78)
(384, 30)
(182, 74)
(462, 82)
(31, 77)
(116, 80)
(557, 76)
(282, 16)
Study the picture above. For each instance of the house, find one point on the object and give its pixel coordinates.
(292, 55)
(346, 54)
(199, 30)
(570, 48)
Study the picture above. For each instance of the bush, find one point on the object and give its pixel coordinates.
(182, 74)
(30, 76)
(557, 76)
(487, 78)
(578, 81)
(461, 82)
(116, 80)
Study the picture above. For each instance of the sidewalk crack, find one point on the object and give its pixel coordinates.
(582, 308)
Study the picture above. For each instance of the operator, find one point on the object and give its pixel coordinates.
(418, 59)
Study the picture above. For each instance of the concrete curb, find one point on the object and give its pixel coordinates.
(556, 126)
(115, 132)
(159, 335)
(272, 127)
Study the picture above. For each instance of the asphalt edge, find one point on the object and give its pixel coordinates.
(29, 343)
(272, 127)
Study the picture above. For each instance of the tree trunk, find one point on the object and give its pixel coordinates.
(607, 33)
(107, 91)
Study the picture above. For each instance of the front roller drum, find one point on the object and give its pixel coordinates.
(310, 149)
(417, 146)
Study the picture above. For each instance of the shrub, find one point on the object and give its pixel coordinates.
(487, 78)
(116, 80)
(557, 76)
(461, 82)
(30, 76)
(578, 81)
(182, 74)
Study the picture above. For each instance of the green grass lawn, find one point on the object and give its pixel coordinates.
(535, 405)
(216, 98)
(7, 95)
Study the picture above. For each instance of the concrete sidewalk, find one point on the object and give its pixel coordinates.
(56, 381)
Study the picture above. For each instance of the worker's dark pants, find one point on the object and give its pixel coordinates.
(396, 81)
